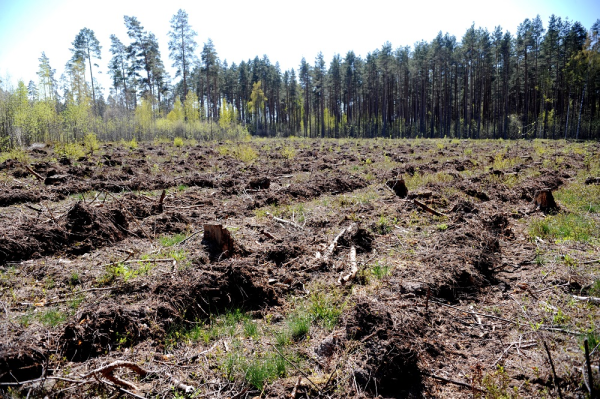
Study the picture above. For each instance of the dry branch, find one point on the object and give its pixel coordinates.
(33, 172)
(295, 390)
(353, 268)
(428, 209)
(333, 244)
(280, 220)
(107, 372)
(592, 299)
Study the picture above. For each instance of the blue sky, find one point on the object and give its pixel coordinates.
(284, 31)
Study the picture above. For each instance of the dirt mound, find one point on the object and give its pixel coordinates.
(466, 258)
(198, 293)
(323, 184)
(368, 318)
(390, 369)
(90, 228)
(20, 196)
(97, 330)
(20, 361)
(84, 228)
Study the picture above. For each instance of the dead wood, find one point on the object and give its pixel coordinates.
(398, 186)
(544, 200)
(459, 383)
(108, 370)
(220, 237)
(295, 390)
(333, 245)
(280, 220)
(33, 172)
(428, 209)
(353, 268)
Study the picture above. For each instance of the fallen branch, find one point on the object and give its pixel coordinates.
(295, 390)
(462, 384)
(195, 233)
(353, 268)
(280, 220)
(475, 313)
(587, 298)
(107, 372)
(33, 172)
(333, 244)
(428, 209)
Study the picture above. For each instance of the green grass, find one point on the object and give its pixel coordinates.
(380, 270)
(265, 369)
(169, 241)
(566, 227)
(325, 309)
(299, 326)
(384, 225)
(580, 198)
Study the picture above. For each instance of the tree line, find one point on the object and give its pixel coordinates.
(536, 83)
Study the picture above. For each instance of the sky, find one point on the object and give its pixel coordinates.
(243, 29)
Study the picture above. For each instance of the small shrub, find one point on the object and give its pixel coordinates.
(178, 142)
(72, 151)
(325, 309)
(288, 152)
(17, 154)
(90, 143)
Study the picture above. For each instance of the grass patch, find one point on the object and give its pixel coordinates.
(380, 271)
(325, 309)
(169, 241)
(265, 369)
(564, 226)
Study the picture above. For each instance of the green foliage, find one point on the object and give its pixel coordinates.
(299, 325)
(384, 225)
(380, 270)
(73, 151)
(169, 241)
(90, 142)
(53, 317)
(288, 152)
(497, 386)
(241, 152)
(17, 154)
(565, 226)
(326, 308)
(265, 369)
(178, 142)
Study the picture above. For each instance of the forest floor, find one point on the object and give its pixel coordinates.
(330, 281)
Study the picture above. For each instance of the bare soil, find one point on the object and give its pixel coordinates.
(442, 306)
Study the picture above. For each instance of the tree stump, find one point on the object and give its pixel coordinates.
(398, 186)
(219, 238)
(544, 200)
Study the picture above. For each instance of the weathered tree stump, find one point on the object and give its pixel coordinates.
(398, 186)
(544, 200)
(219, 238)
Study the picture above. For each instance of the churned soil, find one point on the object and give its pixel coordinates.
(104, 258)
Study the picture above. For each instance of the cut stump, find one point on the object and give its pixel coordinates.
(219, 237)
(544, 200)
(399, 187)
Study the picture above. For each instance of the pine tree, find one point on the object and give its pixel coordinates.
(182, 46)
(86, 47)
